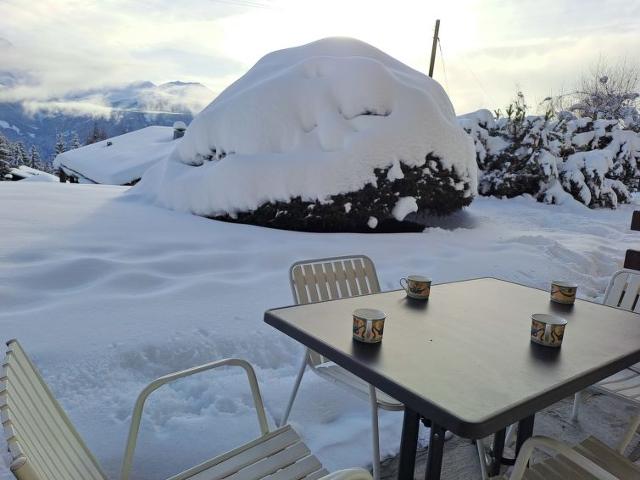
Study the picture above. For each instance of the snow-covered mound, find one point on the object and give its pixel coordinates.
(119, 160)
(325, 136)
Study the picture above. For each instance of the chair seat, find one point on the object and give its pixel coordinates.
(561, 468)
(624, 384)
(339, 375)
(278, 455)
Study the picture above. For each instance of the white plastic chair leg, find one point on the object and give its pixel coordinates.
(508, 438)
(577, 402)
(482, 456)
(296, 386)
(375, 432)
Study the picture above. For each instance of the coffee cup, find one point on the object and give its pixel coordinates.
(416, 286)
(547, 330)
(563, 292)
(368, 325)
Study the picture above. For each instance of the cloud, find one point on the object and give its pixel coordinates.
(67, 107)
(66, 46)
(145, 97)
(489, 46)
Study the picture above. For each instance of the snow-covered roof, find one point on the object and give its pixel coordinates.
(26, 173)
(124, 160)
(310, 121)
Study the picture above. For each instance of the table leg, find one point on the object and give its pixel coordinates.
(434, 454)
(525, 431)
(497, 450)
(408, 445)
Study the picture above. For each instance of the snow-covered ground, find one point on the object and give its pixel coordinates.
(108, 293)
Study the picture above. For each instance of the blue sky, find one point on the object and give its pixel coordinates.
(489, 48)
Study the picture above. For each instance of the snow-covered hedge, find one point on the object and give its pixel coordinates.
(330, 136)
(597, 162)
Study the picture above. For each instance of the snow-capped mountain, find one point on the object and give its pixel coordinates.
(115, 110)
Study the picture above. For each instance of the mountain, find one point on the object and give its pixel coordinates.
(115, 110)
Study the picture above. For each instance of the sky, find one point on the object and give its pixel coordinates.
(489, 48)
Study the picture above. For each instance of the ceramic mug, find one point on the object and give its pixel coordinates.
(416, 286)
(563, 292)
(547, 330)
(368, 325)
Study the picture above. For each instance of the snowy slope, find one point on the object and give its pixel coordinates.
(108, 293)
(311, 121)
(122, 162)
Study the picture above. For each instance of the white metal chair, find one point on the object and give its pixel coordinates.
(623, 292)
(44, 445)
(330, 279)
(590, 459)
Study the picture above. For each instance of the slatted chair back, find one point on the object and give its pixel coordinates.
(624, 290)
(43, 444)
(331, 279)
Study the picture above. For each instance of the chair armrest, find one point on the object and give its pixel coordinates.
(136, 417)
(349, 474)
(547, 443)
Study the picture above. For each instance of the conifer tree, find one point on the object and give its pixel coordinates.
(20, 156)
(35, 158)
(60, 146)
(97, 135)
(5, 150)
(75, 141)
(4, 171)
(4, 158)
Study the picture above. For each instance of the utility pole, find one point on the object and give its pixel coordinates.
(433, 48)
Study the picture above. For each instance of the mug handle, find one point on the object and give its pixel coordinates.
(547, 333)
(404, 287)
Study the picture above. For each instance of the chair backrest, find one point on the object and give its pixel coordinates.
(331, 279)
(43, 445)
(623, 290)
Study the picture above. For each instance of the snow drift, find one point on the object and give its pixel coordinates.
(320, 137)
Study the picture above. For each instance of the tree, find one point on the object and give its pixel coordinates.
(60, 146)
(75, 141)
(5, 150)
(97, 134)
(35, 158)
(4, 171)
(4, 158)
(20, 156)
(609, 91)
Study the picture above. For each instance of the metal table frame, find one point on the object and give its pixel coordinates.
(369, 362)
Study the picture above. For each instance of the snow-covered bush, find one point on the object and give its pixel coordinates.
(597, 162)
(330, 136)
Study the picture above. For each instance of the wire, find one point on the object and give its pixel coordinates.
(466, 64)
(244, 3)
(444, 70)
(475, 77)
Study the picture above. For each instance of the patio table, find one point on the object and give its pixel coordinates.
(463, 360)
